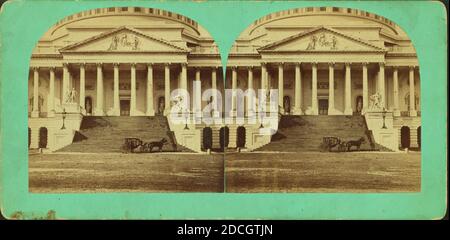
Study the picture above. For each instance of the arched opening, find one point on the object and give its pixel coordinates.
(161, 105)
(287, 104)
(224, 135)
(29, 137)
(359, 104)
(88, 105)
(240, 139)
(419, 136)
(404, 135)
(207, 138)
(43, 136)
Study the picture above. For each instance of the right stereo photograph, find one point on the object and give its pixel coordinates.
(325, 99)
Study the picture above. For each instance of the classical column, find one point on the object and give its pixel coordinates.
(348, 91)
(214, 88)
(365, 88)
(395, 79)
(263, 75)
(233, 88)
(314, 106)
(167, 85)
(196, 106)
(298, 90)
(249, 99)
(116, 90)
(35, 112)
(133, 90)
(412, 95)
(281, 87)
(183, 76)
(82, 87)
(381, 85)
(331, 89)
(99, 106)
(65, 83)
(51, 99)
(150, 109)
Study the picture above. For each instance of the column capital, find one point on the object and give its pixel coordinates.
(412, 67)
(314, 64)
(167, 64)
(65, 64)
(233, 68)
(298, 64)
(133, 64)
(331, 64)
(149, 64)
(215, 67)
(263, 64)
(182, 64)
(382, 64)
(116, 64)
(99, 64)
(280, 64)
(35, 68)
(364, 63)
(250, 68)
(52, 68)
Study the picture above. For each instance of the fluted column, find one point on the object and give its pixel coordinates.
(150, 109)
(396, 98)
(214, 88)
(51, 99)
(331, 89)
(183, 76)
(263, 75)
(99, 106)
(381, 85)
(298, 90)
(412, 96)
(167, 86)
(133, 90)
(35, 112)
(82, 87)
(249, 101)
(314, 104)
(281, 86)
(65, 83)
(348, 91)
(196, 106)
(365, 88)
(116, 90)
(233, 87)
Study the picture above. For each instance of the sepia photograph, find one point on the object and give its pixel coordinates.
(134, 99)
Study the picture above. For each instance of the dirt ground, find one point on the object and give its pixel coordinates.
(125, 173)
(323, 172)
(244, 172)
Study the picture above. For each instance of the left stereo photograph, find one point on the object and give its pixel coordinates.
(109, 92)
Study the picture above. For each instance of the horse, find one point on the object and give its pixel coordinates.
(148, 146)
(356, 143)
(130, 144)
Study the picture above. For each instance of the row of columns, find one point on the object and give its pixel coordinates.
(183, 84)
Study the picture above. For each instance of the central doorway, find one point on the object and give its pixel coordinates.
(323, 106)
(124, 107)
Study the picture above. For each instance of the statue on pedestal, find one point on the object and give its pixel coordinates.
(376, 102)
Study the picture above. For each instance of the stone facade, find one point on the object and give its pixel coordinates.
(127, 60)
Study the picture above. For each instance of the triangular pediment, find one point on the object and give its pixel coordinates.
(321, 39)
(124, 39)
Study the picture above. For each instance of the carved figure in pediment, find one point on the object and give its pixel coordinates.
(333, 43)
(136, 43)
(312, 43)
(114, 43)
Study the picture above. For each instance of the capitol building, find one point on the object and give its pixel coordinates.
(100, 72)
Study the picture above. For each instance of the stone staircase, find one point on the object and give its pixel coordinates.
(106, 134)
(305, 133)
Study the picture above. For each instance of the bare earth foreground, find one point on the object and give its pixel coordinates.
(244, 172)
(115, 172)
(323, 172)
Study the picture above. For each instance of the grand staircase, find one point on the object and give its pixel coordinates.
(106, 134)
(305, 133)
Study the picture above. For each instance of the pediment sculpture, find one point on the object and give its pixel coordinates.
(124, 42)
(322, 41)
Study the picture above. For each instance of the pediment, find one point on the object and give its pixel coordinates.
(124, 39)
(321, 39)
